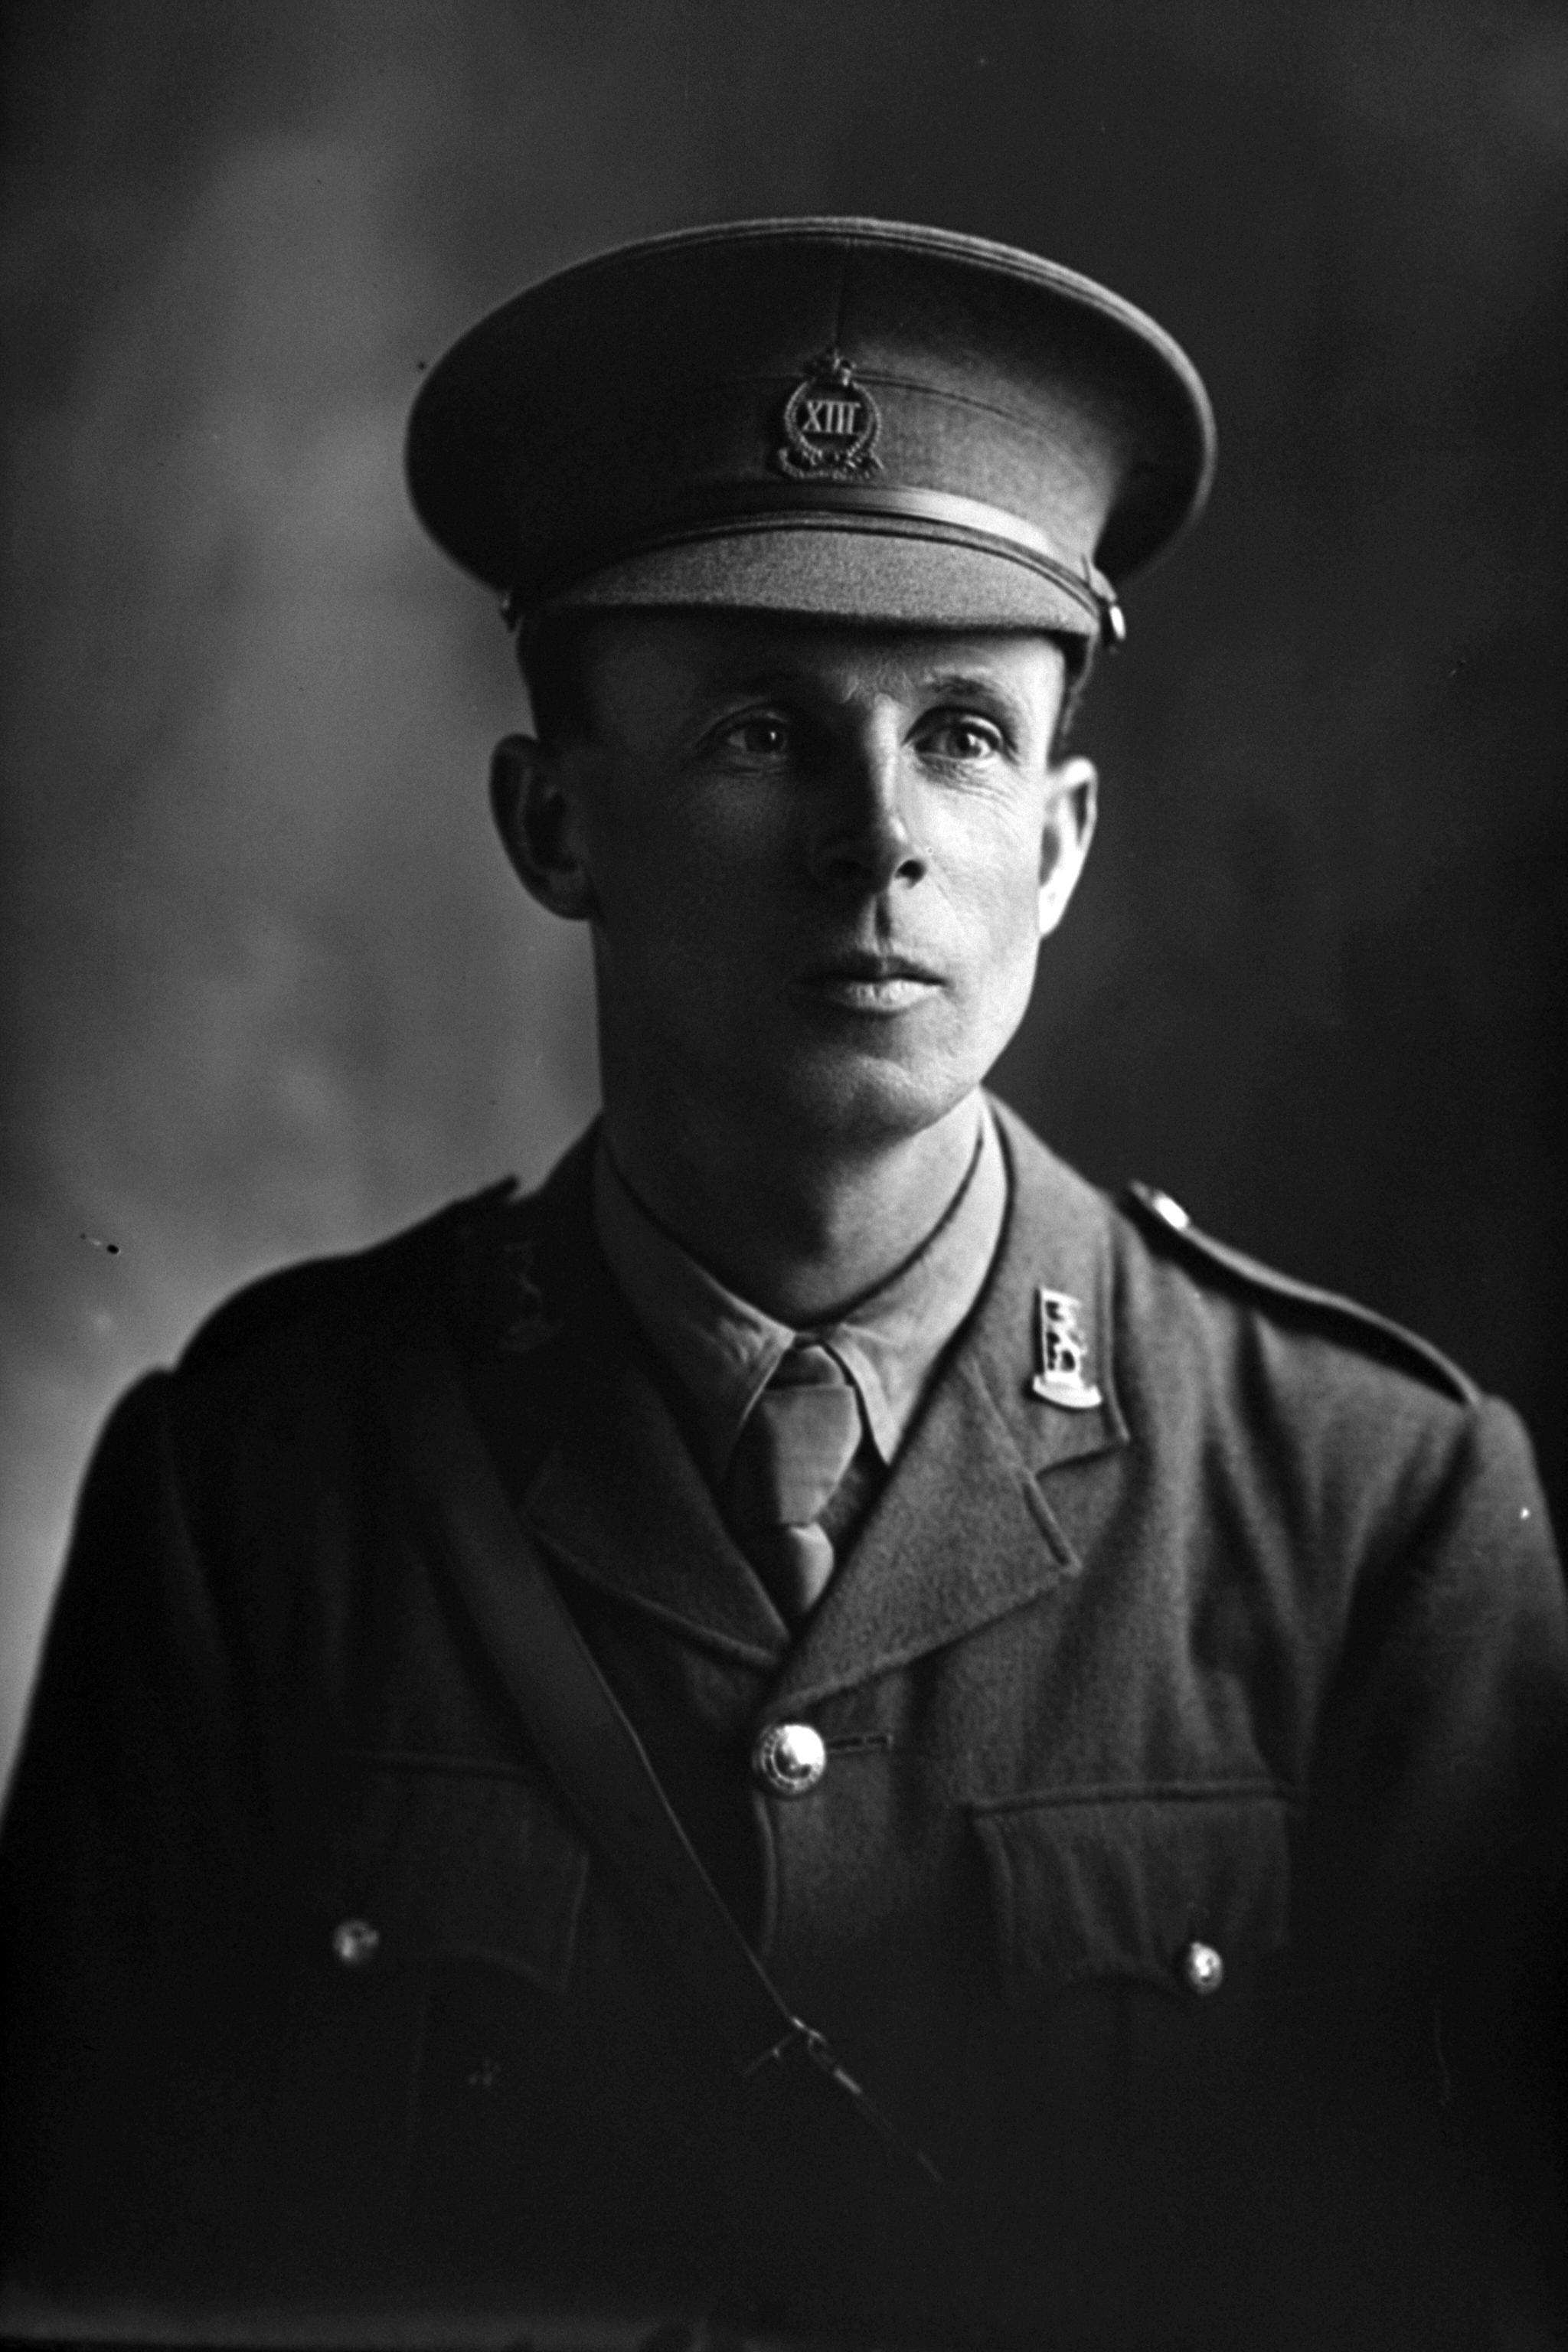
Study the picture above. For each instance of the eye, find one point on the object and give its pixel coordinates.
(958, 735)
(760, 735)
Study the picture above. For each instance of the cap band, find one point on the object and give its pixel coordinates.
(756, 506)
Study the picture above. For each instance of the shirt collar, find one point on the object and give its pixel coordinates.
(723, 1350)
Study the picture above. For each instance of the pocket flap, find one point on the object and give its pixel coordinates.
(1126, 1885)
(465, 1861)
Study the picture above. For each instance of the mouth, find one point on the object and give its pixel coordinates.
(861, 982)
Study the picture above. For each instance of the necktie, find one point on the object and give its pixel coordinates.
(798, 1440)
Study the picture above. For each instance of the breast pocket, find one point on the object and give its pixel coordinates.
(432, 1859)
(1136, 1933)
(444, 1925)
(1138, 1937)
(1182, 1893)
(437, 1929)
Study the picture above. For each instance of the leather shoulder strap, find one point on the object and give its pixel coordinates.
(598, 1762)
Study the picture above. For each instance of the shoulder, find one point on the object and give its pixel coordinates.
(1229, 1376)
(315, 1303)
(272, 1416)
(1228, 1284)
(1166, 1278)
(1295, 1408)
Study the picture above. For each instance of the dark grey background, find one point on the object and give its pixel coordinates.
(267, 987)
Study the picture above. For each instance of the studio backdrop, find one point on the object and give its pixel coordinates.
(269, 988)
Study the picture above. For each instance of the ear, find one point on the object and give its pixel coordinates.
(1070, 812)
(536, 815)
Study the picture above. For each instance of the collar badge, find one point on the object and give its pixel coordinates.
(1064, 1355)
(532, 1322)
(830, 425)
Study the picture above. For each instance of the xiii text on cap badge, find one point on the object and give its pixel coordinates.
(830, 425)
(1063, 1377)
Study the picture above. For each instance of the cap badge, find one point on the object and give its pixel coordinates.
(830, 425)
(1064, 1355)
(531, 1321)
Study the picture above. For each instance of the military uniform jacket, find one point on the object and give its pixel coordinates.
(1180, 1879)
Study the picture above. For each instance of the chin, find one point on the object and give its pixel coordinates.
(864, 1099)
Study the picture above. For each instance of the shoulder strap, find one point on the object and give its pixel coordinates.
(1166, 1222)
(598, 1762)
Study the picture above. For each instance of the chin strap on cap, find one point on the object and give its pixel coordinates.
(1112, 619)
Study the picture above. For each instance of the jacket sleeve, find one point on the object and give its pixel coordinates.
(133, 1901)
(1433, 1855)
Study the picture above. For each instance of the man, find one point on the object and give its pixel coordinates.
(817, 1722)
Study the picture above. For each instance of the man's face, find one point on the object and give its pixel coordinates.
(813, 857)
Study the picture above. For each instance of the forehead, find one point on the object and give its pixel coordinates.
(682, 657)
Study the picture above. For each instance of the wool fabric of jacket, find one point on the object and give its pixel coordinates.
(322, 2012)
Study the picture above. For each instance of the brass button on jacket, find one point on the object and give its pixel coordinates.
(789, 1758)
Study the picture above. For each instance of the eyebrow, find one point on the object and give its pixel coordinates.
(961, 684)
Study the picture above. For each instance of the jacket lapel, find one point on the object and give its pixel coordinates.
(964, 1533)
(619, 1495)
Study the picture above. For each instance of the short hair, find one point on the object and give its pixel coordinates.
(554, 654)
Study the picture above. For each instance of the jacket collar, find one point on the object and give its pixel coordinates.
(723, 1352)
(962, 1534)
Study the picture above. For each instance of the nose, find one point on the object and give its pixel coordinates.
(861, 838)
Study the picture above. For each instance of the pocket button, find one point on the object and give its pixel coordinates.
(1202, 1970)
(355, 1943)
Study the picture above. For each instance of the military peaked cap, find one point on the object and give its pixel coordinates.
(845, 419)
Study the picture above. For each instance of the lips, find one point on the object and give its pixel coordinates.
(861, 981)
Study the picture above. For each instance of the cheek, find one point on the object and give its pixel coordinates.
(680, 890)
(991, 873)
